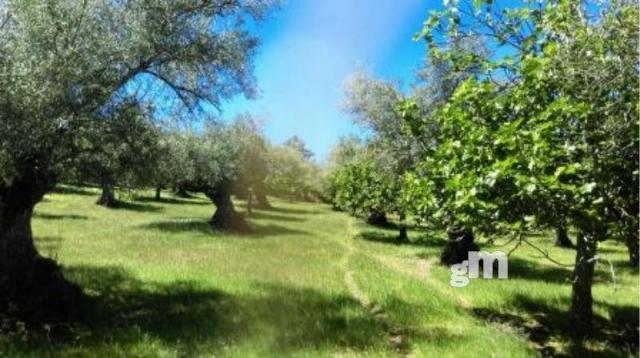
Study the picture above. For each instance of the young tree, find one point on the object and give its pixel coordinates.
(516, 154)
(364, 189)
(345, 151)
(61, 62)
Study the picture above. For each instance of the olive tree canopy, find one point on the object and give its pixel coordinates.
(63, 61)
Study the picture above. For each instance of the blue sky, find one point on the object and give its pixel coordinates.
(309, 47)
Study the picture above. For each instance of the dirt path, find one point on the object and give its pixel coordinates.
(395, 336)
(421, 272)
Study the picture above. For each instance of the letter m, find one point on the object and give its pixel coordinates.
(487, 264)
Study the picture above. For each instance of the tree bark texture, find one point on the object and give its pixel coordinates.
(460, 242)
(562, 236)
(581, 298)
(225, 216)
(32, 288)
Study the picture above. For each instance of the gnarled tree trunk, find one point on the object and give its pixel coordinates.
(250, 203)
(158, 195)
(581, 299)
(460, 242)
(32, 288)
(403, 237)
(632, 242)
(181, 190)
(261, 198)
(377, 218)
(562, 236)
(241, 191)
(225, 216)
(107, 197)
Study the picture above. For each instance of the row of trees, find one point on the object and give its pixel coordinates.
(67, 69)
(524, 119)
(85, 90)
(127, 149)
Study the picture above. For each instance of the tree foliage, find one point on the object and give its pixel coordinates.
(548, 133)
(364, 189)
(292, 174)
(62, 64)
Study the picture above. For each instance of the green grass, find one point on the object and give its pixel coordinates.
(165, 284)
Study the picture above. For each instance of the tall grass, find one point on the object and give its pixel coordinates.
(162, 283)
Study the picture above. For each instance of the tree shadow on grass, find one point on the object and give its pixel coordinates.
(173, 201)
(265, 215)
(46, 216)
(68, 189)
(252, 230)
(531, 270)
(612, 250)
(121, 311)
(542, 322)
(178, 226)
(386, 236)
(292, 211)
(124, 314)
(623, 266)
(309, 318)
(49, 244)
(133, 206)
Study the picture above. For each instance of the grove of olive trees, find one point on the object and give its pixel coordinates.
(62, 66)
(140, 217)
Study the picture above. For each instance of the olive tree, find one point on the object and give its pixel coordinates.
(213, 156)
(291, 174)
(299, 145)
(118, 148)
(60, 63)
(253, 156)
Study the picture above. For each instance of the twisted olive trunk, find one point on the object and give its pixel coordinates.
(16, 209)
(460, 242)
(377, 218)
(562, 236)
(581, 298)
(181, 190)
(632, 242)
(261, 198)
(250, 203)
(16, 240)
(242, 192)
(403, 237)
(107, 197)
(225, 216)
(32, 288)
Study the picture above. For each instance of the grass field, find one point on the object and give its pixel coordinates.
(306, 281)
